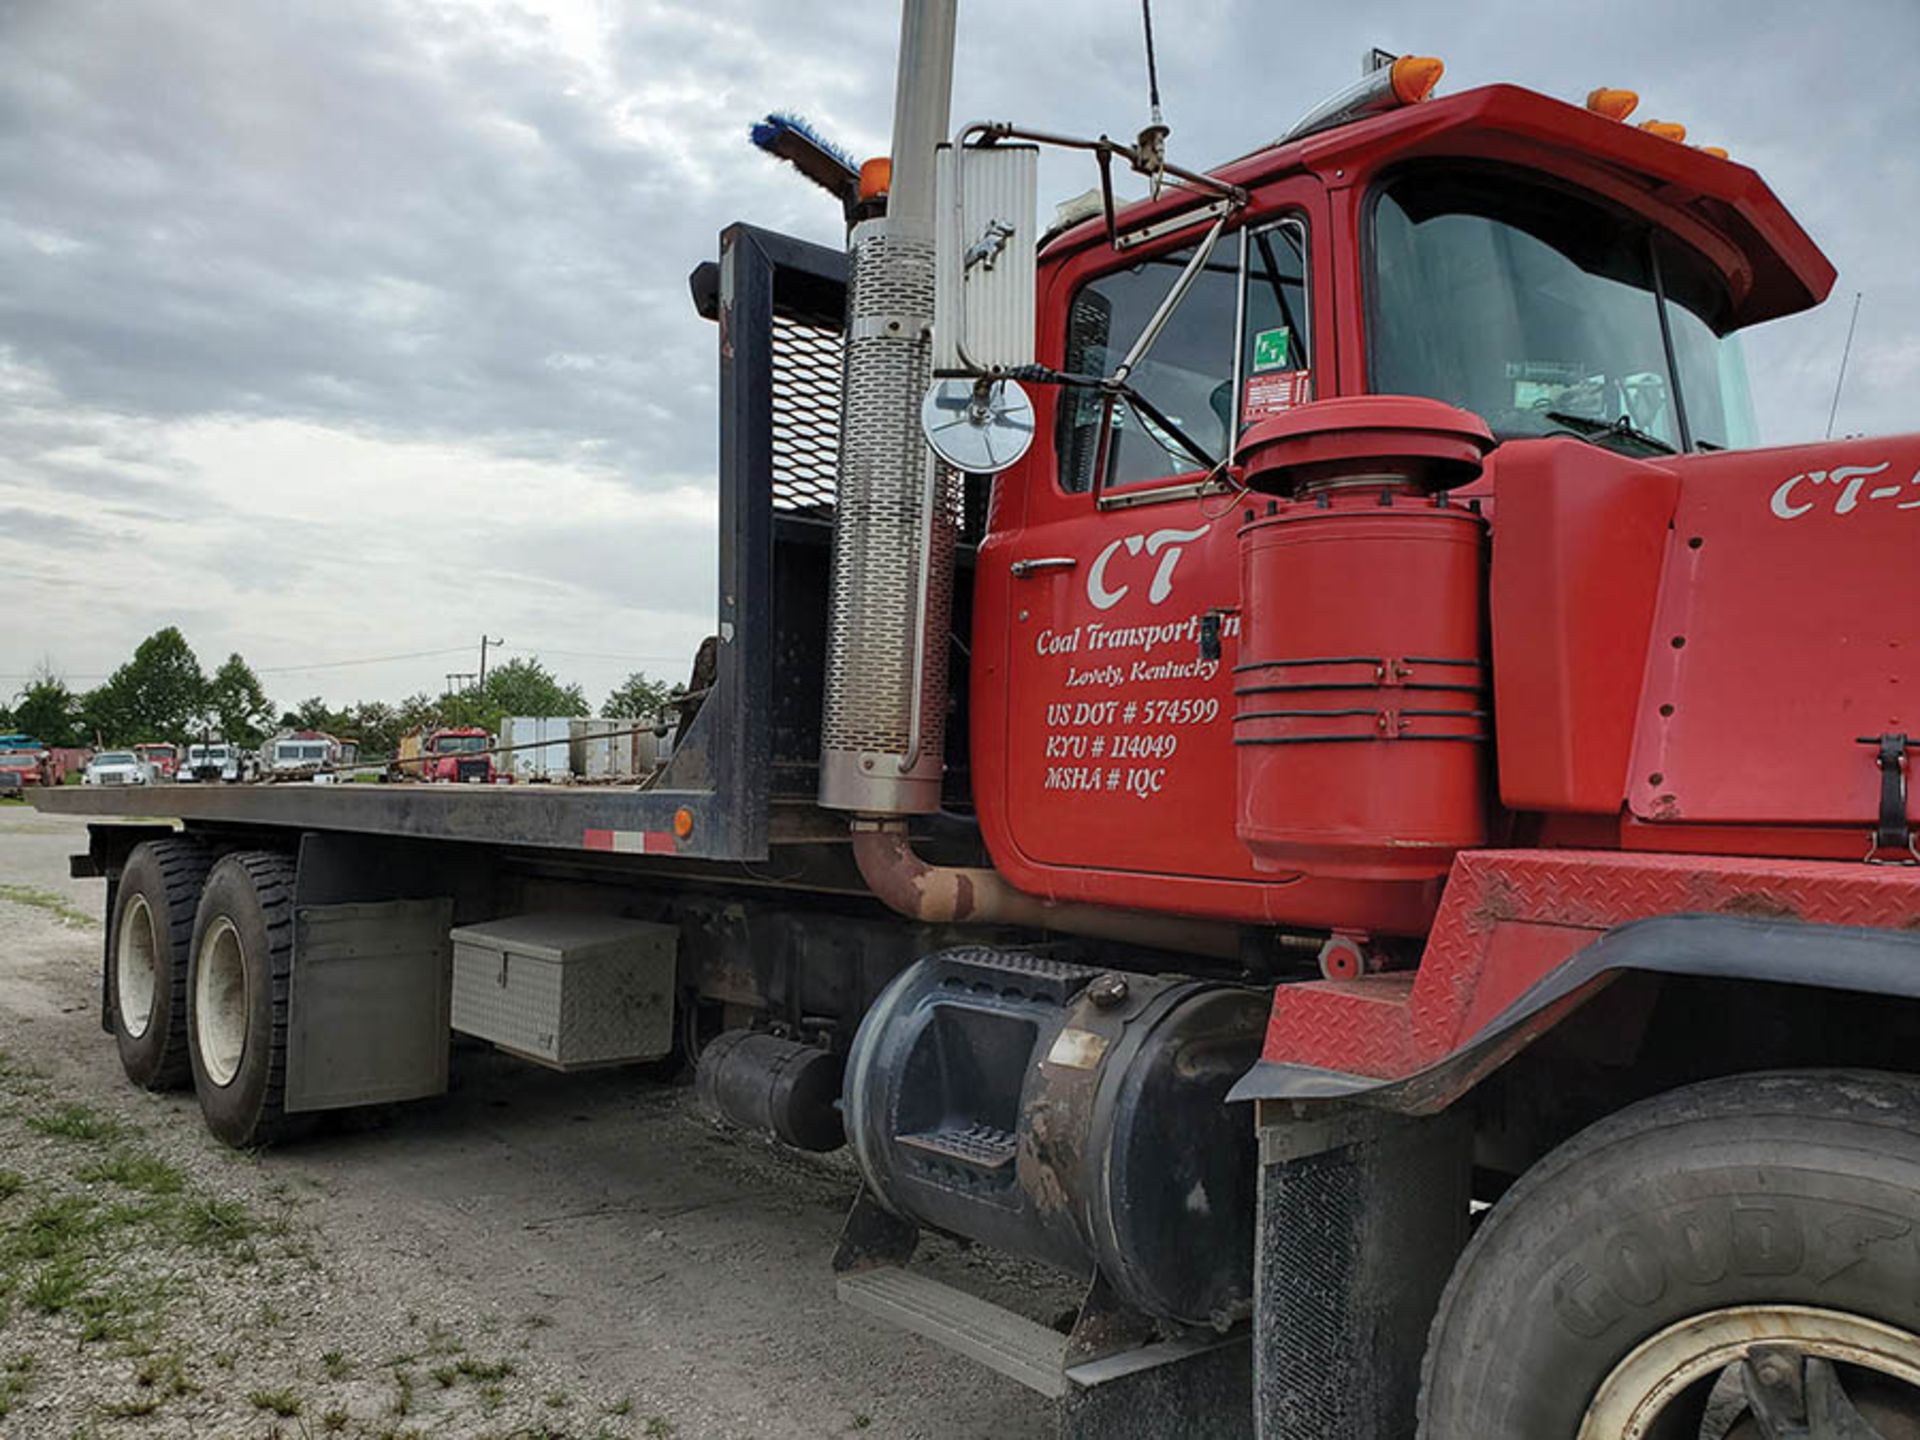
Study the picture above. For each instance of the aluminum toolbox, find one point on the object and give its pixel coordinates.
(567, 990)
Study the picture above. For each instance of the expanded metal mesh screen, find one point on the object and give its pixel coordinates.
(807, 367)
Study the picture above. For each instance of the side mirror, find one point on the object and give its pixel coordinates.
(986, 244)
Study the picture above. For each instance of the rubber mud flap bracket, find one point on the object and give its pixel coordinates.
(1893, 839)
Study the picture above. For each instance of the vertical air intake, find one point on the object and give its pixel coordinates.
(897, 512)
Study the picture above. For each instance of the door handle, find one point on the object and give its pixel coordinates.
(1021, 569)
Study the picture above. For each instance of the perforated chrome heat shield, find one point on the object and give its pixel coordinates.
(883, 730)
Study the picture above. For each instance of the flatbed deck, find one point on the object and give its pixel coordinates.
(583, 817)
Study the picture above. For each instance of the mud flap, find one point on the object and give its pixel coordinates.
(1362, 1215)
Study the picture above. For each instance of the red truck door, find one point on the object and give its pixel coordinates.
(1118, 751)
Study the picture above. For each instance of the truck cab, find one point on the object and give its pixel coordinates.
(215, 761)
(458, 755)
(163, 756)
(1572, 280)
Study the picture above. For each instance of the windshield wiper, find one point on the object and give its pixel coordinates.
(1591, 429)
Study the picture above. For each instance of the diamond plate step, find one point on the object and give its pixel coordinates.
(979, 1146)
(1017, 1347)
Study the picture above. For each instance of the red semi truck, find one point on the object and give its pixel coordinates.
(1409, 889)
(454, 754)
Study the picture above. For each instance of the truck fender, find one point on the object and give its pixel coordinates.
(1863, 959)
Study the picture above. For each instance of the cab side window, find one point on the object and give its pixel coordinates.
(1188, 374)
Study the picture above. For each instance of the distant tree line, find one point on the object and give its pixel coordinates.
(162, 694)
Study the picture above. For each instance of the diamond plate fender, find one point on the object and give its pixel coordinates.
(1523, 936)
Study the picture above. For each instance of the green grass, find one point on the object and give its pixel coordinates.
(472, 1369)
(52, 1229)
(283, 1403)
(148, 1174)
(16, 1378)
(74, 1122)
(214, 1224)
(58, 1285)
(132, 1409)
(335, 1364)
(166, 1374)
(334, 1420)
(12, 1182)
(55, 905)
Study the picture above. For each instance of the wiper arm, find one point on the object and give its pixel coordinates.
(1120, 390)
(1623, 427)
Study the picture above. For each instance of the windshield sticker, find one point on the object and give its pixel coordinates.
(1275, 394)
(1273, 349)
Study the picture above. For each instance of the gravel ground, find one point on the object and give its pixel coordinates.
(531, 1255)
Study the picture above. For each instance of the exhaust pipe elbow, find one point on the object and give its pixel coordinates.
(971, 895)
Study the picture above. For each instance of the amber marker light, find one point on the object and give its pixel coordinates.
(876, 178)
(1665, 129)
(1716, 151)
(1613, 104)
(1414, 77)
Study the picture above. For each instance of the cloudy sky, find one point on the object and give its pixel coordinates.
(353, 328)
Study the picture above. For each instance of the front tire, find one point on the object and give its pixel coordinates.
(242, 963)
(1661, 1262)
(148, 945)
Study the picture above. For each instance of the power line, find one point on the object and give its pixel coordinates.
(368, 660)
(597, 654)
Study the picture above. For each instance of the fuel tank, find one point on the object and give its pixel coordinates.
(1361, 719)
(1072, 1115)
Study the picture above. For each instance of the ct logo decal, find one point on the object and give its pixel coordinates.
(1173, 542)
(1789, 503)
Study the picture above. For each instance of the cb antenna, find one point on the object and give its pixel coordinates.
(1841, 379)
(1150, 150)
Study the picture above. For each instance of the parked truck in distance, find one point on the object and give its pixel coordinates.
(216, 762)
(303, 755)
(450, 754)
(163, 756)
(119, 767)
(25, 762)
(1280, 749)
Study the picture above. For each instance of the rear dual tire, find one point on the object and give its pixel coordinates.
(238, 982)
(149, 942)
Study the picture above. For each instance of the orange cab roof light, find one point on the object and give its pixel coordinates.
(1405, 80)
(1414, 77)
(1665, 129)
(1614, 104)
(1717, 151)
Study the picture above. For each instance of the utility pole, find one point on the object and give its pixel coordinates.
(484, 643)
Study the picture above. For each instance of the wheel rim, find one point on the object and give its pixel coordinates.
(220, 1002)
(136, 967)
(1752, 1372)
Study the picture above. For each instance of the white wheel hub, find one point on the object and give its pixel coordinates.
(136, 967)
(220, 1001)
(1632, 1398)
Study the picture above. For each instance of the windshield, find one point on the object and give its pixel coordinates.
(206, 752)
(460, 744)
(300, 750)
(116, 757)
(1536, 309)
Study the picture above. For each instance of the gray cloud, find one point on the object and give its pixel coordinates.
(466, 224)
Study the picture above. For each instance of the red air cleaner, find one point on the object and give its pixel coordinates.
(1361, 710)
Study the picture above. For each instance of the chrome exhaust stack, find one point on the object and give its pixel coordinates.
(897, 511)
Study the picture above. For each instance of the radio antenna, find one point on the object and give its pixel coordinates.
(1153, 73)
(1150, 149)
(1841, 379)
